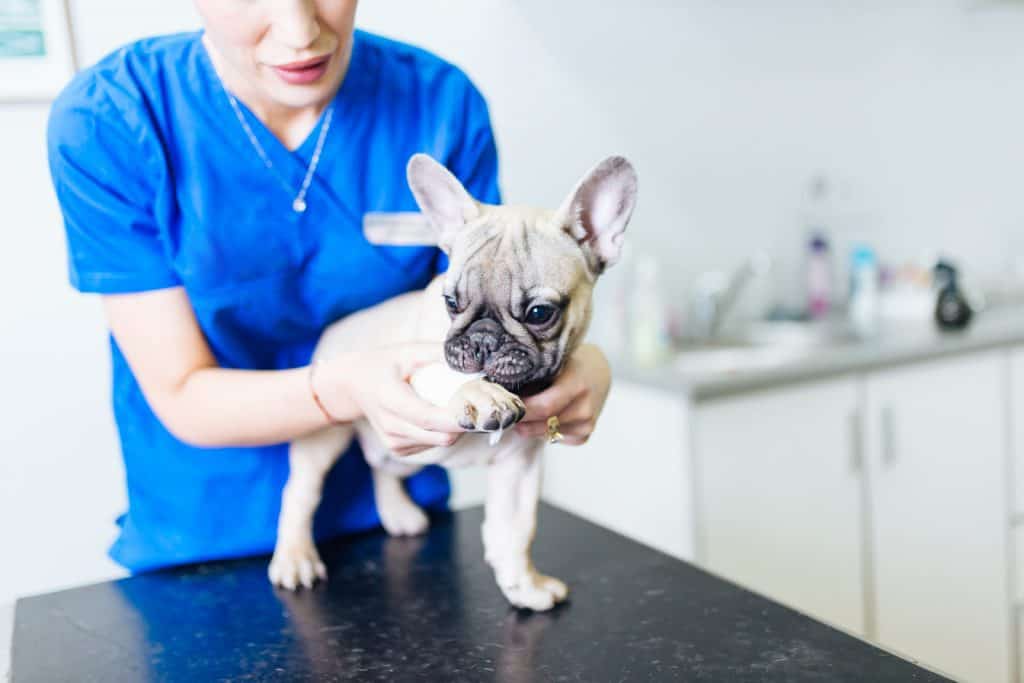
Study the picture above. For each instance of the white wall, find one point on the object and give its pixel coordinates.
(914, 108)
(61, 479)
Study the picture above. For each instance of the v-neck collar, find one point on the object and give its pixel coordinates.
(290, 163)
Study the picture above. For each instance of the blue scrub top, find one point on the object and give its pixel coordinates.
(160, 187)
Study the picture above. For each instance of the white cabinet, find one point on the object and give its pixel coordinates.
(937, 455)
(878, 503)
(1016, 416)
(780, 496)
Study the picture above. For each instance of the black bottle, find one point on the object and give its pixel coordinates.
(952, 312)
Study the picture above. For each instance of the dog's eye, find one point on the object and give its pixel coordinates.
(452, 304)
(538, 315)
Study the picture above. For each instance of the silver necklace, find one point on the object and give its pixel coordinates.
(299, 203)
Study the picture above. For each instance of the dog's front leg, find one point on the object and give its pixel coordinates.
(296, 562)
(510, 519)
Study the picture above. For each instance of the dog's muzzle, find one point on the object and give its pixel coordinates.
(485, 347)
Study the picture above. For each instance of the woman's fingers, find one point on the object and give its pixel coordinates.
(426, 438)
(542, 406)
(580, 409)
(409, 424)
(566, 429)
(555, 399)
(399, 435)
(397, 430)
(409, 446)
(571, 400)
(405, 404)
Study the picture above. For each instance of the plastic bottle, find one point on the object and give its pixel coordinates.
(813, 290)
(613, 289)
(863, 309)
(649, 324)
(819, 278)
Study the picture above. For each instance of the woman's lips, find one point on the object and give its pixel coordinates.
(305, 72)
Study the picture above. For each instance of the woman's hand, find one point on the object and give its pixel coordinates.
(576, 398)
(374, 385)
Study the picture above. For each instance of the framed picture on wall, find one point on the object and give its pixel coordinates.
(37, 56)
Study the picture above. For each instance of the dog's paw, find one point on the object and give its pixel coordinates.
(295, 565)
(536, 591)
(480, 405)
(402, 517)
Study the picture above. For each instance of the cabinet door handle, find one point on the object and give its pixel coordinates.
(856, 442)
(888, 436)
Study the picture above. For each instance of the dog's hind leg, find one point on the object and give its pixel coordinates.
(296, 561)
(399, 515)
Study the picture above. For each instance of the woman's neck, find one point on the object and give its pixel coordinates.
(290, 125)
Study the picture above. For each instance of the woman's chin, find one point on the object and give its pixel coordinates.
(301, 96)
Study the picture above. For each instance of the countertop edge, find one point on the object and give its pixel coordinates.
(831, 363)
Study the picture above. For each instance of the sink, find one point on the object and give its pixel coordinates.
(798, 334)
(761, 345)
(713, 361)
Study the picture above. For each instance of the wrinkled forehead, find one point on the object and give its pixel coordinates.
(511, 253)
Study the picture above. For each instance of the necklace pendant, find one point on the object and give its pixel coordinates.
(299, 205)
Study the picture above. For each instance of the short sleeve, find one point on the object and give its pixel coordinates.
(474, 156)
(105, 176)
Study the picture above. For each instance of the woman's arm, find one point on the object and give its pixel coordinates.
(206, 405)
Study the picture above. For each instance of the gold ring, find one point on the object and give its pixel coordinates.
(554, 436)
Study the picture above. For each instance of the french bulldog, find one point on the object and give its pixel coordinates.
(512, 307)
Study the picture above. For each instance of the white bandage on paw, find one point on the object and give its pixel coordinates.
(437, 383)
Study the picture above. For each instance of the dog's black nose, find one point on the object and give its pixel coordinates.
(484, 337)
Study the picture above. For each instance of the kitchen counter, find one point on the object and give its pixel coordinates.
(895, 344)
(427, 609)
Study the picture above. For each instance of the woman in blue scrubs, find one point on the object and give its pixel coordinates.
(213, 187)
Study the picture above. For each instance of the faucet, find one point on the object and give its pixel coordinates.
(716, 294)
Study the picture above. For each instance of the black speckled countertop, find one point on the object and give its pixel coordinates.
(427, 609)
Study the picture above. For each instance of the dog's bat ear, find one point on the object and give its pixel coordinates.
(598, 210)
(441, 197)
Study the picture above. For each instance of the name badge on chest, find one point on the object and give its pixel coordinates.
(398, 228)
